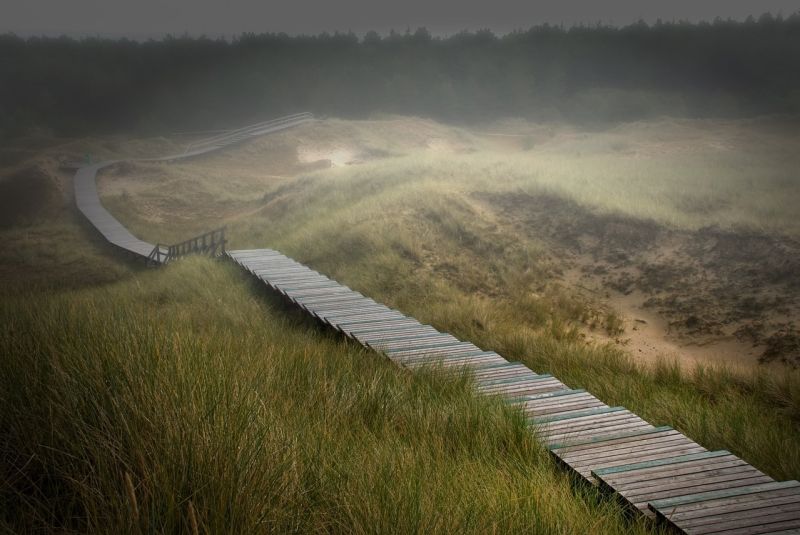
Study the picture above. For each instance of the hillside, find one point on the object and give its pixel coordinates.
(188, 396)
(648, 233)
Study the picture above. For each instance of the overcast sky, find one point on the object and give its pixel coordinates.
(143, 18)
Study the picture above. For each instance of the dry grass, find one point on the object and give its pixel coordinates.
(183, 399)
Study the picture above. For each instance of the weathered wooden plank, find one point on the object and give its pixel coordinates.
(428, 349)
(604, 426)
(456, 363)
(354, 330)
(610, 439)
(523, 384)
(410, 341)
(374, 339)
(347, 300)
(692, 499)
(639, 441)
(554, 420)
(374, 313)
(355, 306)
(751, 504)
(776, 522)
(330, 299)
(607, 456)
(648, 452)
(369, 330)
(602, 423)
(280, 272)
(451, 354)
(348, 303)
(316, 291)
(529, 383)
(410, 354)
(581, 430)
(683, 475)
(288, 275)
(645, 466)
(519, 374)
(500, 372)
(642, 497)
(565, 409)
(458, 360)
(287, 287)
(683, 471)
(565, 400)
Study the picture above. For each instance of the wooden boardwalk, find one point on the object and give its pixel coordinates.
(657, 471)
(88, 201)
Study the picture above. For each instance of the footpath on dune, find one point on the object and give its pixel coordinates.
(657, 470)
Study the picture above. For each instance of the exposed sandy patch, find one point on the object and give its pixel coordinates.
(648, 338)
(709, 295)
(335, 156)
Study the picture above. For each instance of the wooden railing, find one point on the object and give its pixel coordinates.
(211, 243)
(231, 136)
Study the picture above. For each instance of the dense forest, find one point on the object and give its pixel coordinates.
(582, 73)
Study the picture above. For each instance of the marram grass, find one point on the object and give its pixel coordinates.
(187, 400)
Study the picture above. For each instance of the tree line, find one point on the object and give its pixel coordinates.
(581, 73)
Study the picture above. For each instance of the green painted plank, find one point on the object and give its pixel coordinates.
(581, 414)
(597, 440)
(651, 464)
(720, 494)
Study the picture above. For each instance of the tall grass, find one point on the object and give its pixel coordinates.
(183, 399)
(186, 398)
(408, 231)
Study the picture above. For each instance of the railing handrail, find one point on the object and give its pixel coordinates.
(212, 242)
(247, 129)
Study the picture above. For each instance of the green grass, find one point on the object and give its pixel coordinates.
(185, 389)
(186, 393)
(683, 173)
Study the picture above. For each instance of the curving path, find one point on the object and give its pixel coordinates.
(656, 471)
(88, 201)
